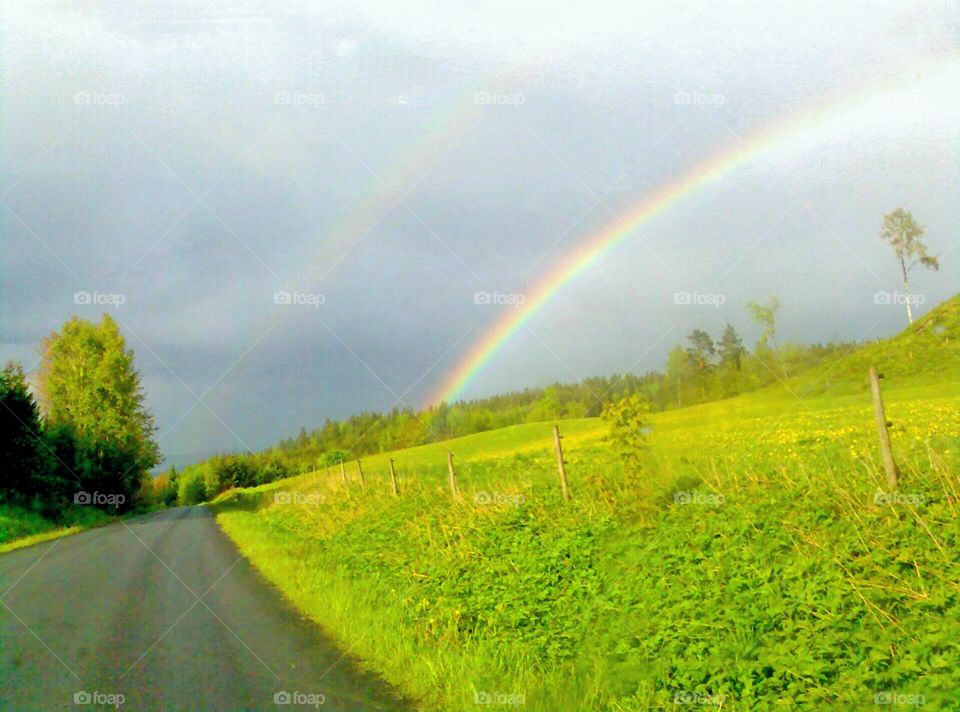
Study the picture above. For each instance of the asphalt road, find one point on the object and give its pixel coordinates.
(164, 611)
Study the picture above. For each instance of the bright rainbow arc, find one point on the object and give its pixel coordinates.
(703, 174)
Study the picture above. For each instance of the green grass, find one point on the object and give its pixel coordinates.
(22, 526)
(755, 558)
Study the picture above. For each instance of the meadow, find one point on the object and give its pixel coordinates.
(754, 561)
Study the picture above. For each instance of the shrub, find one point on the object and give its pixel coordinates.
(192, 488)
(628, 427)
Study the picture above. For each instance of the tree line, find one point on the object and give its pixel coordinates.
(703, 368)
(89, 434)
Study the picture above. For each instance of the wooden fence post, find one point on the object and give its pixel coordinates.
(393, 478)
(363, 482)
(561, 466)
(343, 472)
(453, 474)
(889, 465)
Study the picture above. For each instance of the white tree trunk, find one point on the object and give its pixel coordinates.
(906, 291)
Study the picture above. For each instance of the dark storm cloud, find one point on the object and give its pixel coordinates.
(198, 161)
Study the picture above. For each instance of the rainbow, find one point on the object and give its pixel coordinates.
(444, 131)
(777, 135)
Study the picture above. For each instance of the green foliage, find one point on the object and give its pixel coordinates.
(692, 376)
(191, 488)
(730, 348)
(170, 488)
(333, 457)
(904, 234)
(205, 480)
(750, 566)
(21, 525)
(48, 463)
(87, 380)
(628, 427)
(20, 436)
(765, 315)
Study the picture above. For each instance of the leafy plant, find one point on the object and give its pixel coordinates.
(628, 427)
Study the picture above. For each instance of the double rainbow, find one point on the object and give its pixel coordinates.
(780, 134)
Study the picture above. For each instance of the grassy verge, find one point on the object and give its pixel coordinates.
(22, 526)
(755, 560)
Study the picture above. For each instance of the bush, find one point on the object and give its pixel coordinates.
(628, 428)
(271, 472)
(333, 457)
(192, 488)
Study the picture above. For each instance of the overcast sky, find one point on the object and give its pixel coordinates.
(383, 162)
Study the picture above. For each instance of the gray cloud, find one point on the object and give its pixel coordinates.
(199, 160)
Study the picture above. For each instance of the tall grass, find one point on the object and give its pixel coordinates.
(754, 559)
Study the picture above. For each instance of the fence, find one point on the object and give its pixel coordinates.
(452, 471)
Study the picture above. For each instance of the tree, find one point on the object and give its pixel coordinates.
(21, 444)
(766, 316)
(87, 381)
(191, 488)
(169, 493)
(701, 350)
(904, 233)
(702, 354)
(302, 438)
(679, 370)
(731, 348)
(549, 406)
(628, 428)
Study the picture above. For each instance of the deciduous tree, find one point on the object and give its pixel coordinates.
(904, 234)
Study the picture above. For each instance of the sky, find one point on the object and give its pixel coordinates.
(298, 212)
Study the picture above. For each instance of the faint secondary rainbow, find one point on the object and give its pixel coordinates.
(447, 127)
(771, 137)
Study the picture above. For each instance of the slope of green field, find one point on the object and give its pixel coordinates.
(755, 561)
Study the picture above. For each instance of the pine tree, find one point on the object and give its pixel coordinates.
(731, 347)
(21, 445)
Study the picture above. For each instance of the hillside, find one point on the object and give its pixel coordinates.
(753, 560)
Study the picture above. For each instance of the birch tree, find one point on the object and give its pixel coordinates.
(904, 234)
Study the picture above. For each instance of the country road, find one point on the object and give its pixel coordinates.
(162, 610)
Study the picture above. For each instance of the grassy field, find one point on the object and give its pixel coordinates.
(754, 562)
